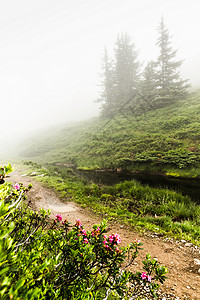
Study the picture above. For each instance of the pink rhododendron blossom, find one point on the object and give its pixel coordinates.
(149, 278)
(115, 238)
(104, 242)
(111, 238)
(83, 232)
(78, 223)
(144, 275)
(58, 217)
(16, 186)
(85, 241)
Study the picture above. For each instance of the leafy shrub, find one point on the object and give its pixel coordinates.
(43, 259)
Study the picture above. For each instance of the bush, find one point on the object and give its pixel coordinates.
(43, 259)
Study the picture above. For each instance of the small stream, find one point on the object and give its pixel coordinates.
(190, 187)
(185, 186)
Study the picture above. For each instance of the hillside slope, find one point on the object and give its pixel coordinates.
(163, 139)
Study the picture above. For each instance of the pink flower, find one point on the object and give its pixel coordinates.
(85, 241)
(149, 278)
(114, 238)
(104, 242)
(83, 232)
(16, 186)
(78, 223)
(111, 238)
(144, 275)
(117, 238)
(58, 217)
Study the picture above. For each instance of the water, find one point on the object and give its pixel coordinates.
(190, 187)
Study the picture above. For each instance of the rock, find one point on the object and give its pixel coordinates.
(188, 244)
(197, 262)
(33, 174)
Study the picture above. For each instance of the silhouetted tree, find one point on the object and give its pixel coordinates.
(170, 85)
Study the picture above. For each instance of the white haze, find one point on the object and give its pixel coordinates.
(51, 51)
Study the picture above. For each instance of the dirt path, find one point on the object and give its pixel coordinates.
(184, 276)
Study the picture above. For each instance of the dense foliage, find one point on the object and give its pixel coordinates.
(44, 259)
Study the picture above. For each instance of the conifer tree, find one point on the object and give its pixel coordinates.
(107, 96)
(170, 85)
(148, 92)
(126, 71)
(120, 77)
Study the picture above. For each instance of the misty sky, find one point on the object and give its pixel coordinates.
(51, 51)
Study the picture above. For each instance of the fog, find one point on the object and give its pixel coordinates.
(51, 51)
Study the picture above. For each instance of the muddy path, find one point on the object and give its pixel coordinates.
(180, 257)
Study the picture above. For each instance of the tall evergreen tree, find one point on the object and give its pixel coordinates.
(107, 96)
(120, 77)
(170, 85)
(148, 92)
(126, 71)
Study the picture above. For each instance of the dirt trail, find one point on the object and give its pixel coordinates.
(183, 278)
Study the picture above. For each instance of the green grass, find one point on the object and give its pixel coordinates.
(144, 208)
(165, 140)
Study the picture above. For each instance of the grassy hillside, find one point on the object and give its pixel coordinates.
(164, 140)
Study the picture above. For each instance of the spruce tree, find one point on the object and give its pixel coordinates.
(107, 96)
(170, 85)
(120, 77)
(147, 92)
(126, 72)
